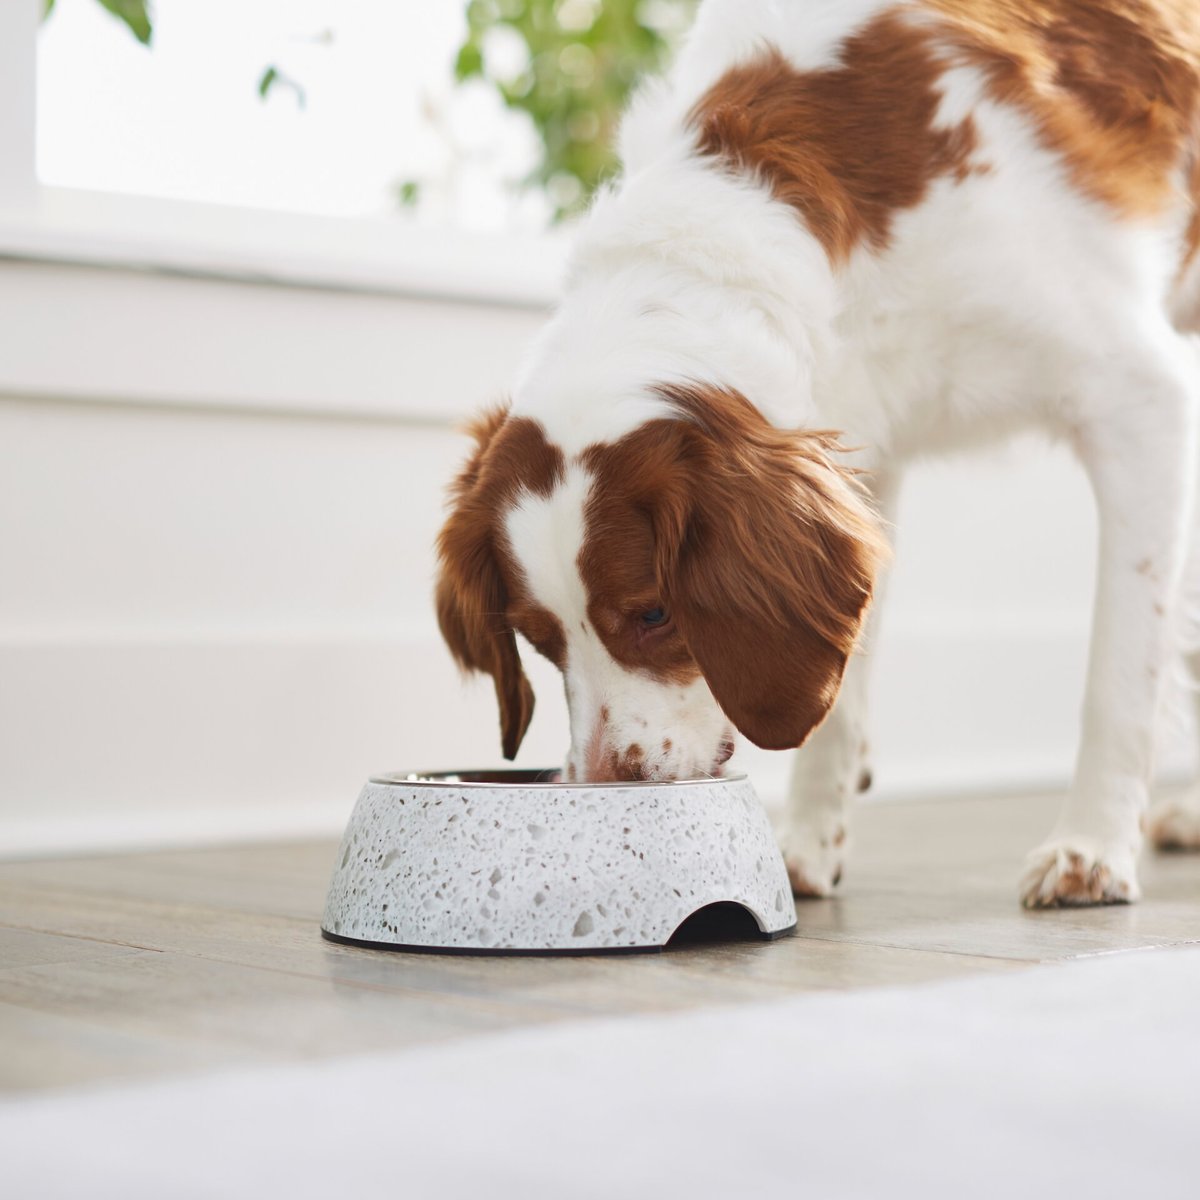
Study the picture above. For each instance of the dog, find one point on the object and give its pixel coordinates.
(850, 233)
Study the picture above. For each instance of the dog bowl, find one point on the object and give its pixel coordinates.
(516, 862)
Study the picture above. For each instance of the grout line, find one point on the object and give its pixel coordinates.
(852, 941)
(75, 937)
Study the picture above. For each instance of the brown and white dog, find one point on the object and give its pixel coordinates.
(895, 225)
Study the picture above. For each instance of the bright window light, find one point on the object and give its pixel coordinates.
(359, 112)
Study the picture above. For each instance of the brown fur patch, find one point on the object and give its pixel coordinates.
(1080, 883)
(1111, 86)
(1191, 236)
(636, 479)
(847, 146)
(604, 764)
(614, 766)
(480, 589)
(538, 626)
(760, 548)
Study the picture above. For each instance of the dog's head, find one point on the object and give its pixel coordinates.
(704, 572)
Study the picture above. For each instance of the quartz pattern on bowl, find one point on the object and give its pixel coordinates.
(537, 868)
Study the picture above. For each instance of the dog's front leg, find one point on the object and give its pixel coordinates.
(832, 767)
(1139, 456)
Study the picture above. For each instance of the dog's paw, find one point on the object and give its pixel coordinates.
(1175, 824)
(1078, 871)
(814, 861)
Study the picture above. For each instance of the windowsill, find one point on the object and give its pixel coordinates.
(261, 313)
(366, 255)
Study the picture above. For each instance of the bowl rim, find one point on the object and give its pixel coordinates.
(462, 779)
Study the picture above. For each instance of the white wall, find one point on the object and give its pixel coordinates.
(217, 503)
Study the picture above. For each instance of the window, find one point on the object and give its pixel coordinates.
(363, 144)
(333, 107)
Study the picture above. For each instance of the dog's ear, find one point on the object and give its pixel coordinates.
(770, 576)
(471, 594)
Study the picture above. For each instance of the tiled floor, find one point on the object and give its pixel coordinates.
(156, 964)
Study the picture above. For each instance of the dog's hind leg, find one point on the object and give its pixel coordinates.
(1136, 427)
(832, 767)
(1173, 822)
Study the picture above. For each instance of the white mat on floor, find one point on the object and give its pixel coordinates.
(1075, 1080)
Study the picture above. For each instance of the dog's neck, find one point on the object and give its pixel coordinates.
(683, 274)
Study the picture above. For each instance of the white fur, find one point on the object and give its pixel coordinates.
(607, 701)
(1003, 302)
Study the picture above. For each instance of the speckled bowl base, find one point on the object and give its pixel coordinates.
(504, 864)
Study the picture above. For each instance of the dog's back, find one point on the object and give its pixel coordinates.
(978, 174)
(852, 109)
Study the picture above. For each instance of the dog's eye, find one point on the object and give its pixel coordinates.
(654, 616)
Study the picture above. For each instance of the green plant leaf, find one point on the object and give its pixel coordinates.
(578, 81)
(273, 77)
(135, 16)
(469, 62)
(409, 193)
(47, 8)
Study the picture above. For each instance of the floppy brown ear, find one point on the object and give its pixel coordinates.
(771, 578)
(471, 596)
